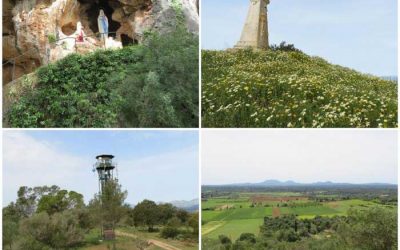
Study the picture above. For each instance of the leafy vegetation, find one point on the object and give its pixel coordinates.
(284, 87)
(371, 229)
(150, 85)
(44, 218)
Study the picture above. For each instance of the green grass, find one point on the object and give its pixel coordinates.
(234, 221)
(144, 234)
(233, 228)
(245, 88)
(313, 211)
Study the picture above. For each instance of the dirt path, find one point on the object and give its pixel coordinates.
(205, 231)
(276, 212)
(162, 245)
(158, 243)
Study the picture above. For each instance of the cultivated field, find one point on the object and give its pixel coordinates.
(245, 213)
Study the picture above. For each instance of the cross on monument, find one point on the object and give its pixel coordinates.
(255, 30)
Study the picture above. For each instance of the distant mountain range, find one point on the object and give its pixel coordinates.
(390, 78)
(190, 206)
(277, 183)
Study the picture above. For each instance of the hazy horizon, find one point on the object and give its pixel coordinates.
(305, 156)
(298, 182)
(158, 165)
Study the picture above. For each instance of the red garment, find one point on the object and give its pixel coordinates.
(80, 37)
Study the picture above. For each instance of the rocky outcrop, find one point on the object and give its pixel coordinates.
(36, 32)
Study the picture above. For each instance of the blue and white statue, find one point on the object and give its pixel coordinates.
(102, 22)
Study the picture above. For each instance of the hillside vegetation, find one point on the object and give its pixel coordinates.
(51, 218)
(276, 88)
(150, 85)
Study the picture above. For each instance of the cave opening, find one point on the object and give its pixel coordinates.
(93, 13)
(126, 40)
(69, 28)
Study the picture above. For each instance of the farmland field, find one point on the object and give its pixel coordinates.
(245, 214)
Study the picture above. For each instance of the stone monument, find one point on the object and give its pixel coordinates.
(255, 30)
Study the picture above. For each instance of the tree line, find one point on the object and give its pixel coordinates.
(48, 217)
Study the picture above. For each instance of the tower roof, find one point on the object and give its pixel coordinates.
(104, 156)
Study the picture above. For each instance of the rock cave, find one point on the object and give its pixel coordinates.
(92, 13)
(126, 40)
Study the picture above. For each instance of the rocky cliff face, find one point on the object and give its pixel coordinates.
(36, 32)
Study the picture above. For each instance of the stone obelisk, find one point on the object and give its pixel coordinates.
(255, 30)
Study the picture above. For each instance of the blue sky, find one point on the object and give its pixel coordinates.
(157, 165)
(360, 34)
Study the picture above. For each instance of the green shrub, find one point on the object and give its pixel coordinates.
(283, 46)
(150, 85)
(248, 237)
(52, 38)
(169, 232)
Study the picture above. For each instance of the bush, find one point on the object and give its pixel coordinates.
(149, 85)
(224, 239)
(59, 231)
(283, 46)
(169, 232)
(247, 237)
(52, 38)
(162, 90)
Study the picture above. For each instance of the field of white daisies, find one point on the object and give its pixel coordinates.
(244, 88)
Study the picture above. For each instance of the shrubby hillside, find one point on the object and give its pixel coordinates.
(49, 218)
(150, 85)
(284, 87)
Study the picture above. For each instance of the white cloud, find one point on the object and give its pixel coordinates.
(31, 162)
(160, 176)
(28, 161)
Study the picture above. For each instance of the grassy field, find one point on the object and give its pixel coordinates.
(242, 88)
(232, 217)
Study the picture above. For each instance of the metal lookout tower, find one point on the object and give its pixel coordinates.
(105, 169)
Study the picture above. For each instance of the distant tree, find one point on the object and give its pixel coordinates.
(26, 201)
(288, 235)
(108, 207)
(194, 223)
(182, 215)
(174, 222)
(169, 232)
(248, 237)
(224, 239)
(59, 201)
(244, 245)
(146, 213)
(10, 233)
(166, 212)
(283, 46)
(12, 212)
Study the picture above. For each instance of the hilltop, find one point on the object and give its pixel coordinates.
(278, 88)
